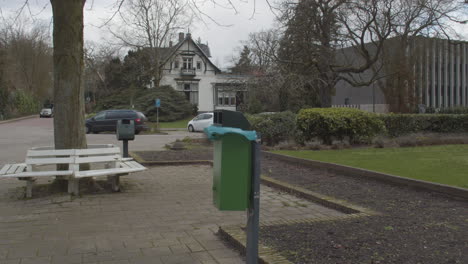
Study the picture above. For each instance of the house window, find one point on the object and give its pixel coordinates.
(176, 64)
(226, 98)
(190, 91)
(187, 64)
(198, 65)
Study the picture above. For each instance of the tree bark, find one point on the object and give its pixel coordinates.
(69, 127)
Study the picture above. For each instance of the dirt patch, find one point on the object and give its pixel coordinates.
(415, 226)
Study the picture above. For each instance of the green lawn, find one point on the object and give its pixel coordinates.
(442, 164)
(175, 124)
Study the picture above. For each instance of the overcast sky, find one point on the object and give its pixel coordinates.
(223, 40)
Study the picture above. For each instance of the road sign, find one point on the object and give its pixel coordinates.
(157, 103)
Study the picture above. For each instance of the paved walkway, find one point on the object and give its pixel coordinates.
(164, 215)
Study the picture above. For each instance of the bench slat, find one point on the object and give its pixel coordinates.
(135, 164)
(37, 174)
(52, 152)
(92, 173)
(97, 151)
(123, 165)
(20, 168)
(5, 169)
(45, 161)
(95, 159)
(129, 164)
(12, 169)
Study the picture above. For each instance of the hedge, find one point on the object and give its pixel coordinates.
(274, 127)
(401, 124)
(338, 123)
(174, 105)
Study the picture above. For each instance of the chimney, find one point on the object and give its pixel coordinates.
(170, 43)
(189, 35)
(181, 36)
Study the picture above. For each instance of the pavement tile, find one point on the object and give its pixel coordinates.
(145, 260)
(179, 259)
(67, 259)
(179, 249)
(36, 260)
(157, 251)
(202, 256)
(10, 261)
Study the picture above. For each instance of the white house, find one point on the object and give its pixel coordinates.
(188, 68)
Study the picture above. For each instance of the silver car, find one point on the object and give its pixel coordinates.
(199, 122)
(46, 112)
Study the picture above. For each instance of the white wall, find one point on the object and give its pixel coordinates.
(206, 75)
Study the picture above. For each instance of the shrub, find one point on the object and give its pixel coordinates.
(402, 124)
(274, 127)
(337, 123)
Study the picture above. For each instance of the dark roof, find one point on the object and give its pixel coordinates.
(205, 49)
(167, 53)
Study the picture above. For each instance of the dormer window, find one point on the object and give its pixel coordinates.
(198, 65)
(176, 64)
(187, 64)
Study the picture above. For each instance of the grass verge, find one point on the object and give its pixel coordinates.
(175, 124)
(446, 164)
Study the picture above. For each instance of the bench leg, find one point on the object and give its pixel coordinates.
(73, 186)
(115, 182)
(29, 187)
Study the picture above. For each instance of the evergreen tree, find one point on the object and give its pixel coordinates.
(244, 64)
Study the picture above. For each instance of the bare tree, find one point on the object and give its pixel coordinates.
(27, 57)
(69, 126)
(150, 25)
(409, 20)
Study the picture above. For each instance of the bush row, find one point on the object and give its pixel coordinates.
(353, 125)
(174, 105)
(402, 124)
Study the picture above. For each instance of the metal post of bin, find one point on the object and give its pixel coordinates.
(125, 148)
(253, 212)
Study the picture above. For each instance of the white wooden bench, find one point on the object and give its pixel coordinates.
(108, 156)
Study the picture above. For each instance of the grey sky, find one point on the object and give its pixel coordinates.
(222, 40)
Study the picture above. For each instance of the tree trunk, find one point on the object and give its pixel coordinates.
(69, 127)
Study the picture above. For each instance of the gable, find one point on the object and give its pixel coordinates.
(188, 47)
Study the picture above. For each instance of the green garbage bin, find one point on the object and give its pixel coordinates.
(232, 167)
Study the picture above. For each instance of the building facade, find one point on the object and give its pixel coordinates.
(436, 76)
(189, 70)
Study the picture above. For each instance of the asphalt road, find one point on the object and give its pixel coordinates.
(17, 137)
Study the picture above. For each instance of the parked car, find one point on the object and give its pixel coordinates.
(46, 112)
(199, 122)
(107, 121)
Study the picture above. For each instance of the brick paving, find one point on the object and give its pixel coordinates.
(163, 215)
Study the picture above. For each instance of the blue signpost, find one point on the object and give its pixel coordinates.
(157, 103)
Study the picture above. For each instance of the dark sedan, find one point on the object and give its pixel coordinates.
(107, 121)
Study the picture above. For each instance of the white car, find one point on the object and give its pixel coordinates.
(46, 112)
(199, 122)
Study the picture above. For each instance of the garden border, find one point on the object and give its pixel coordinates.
(455, 192)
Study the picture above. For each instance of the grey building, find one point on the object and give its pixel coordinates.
(437, 76)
